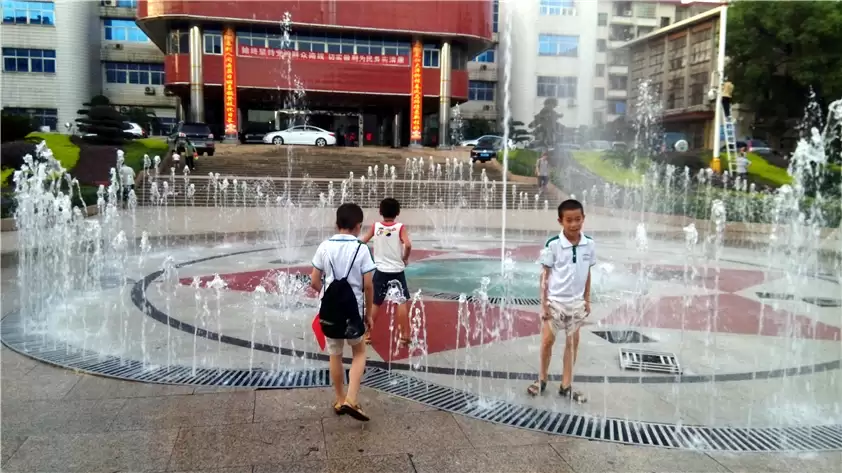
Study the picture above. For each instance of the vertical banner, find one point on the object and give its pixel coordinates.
(416, 93)
(229, 82)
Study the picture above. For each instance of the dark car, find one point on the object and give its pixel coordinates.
(198, 133)
(753, 145)
(486, 149)
(254, 132)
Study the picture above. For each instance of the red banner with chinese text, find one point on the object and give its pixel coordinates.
(416, 92)
(373, 59)
(229, 80)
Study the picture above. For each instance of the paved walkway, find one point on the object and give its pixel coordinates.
(58, 421)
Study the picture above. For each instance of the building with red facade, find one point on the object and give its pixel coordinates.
(391, 68)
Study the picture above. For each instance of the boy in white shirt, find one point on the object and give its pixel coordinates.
(343, 266)
(742, 164)
(565, 295)
(392, 247)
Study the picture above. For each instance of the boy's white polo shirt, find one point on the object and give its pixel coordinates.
(338, 251)
(570, 265)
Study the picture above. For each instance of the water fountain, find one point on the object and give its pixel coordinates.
(733, 285)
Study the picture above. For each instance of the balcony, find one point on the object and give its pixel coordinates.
(123, 13)
(113, 51)
(617, 93)
(618, 69)
(485, 71)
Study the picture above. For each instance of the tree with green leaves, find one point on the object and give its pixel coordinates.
(103, 121)
(516, 131)
(475, 127)
(777, 51)
(546, 126)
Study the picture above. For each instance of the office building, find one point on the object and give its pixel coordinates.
(58, 55)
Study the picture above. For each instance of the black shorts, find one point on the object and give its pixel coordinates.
(543, 181)
(382, 283)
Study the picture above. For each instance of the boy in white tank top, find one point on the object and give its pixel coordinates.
(391, 254)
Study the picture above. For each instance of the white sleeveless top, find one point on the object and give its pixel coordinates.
(388, 247)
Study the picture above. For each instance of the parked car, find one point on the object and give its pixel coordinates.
(254, 132)
(301, 135)
(754, 146)
(599, 145)
(136, 130)
(486, 149)
(198, 133)
(472, 143)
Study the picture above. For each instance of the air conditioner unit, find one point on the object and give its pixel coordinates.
(109, 3)
(571, 103)
(483, 67)
(488, 108)
(149, 91)
(168, 92)
(124, 109)
(118, 46)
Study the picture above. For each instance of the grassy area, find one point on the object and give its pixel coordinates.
(594, 162)
(136, 149)
(63, 149)
(762, 170)
(521, 161)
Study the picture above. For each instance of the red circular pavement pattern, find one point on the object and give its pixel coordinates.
(724, 311)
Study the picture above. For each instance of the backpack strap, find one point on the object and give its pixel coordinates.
(351, 266)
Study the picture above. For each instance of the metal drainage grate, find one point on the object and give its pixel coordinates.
(61, 354)
(775, 295)
(644, 360)
(823, 302)
(790, 439)
(795, 439)
(622, 336)
(450, 296)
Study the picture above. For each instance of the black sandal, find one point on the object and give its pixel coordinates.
(337, 409)
(569, 393)
(354, 411)
(536, 388)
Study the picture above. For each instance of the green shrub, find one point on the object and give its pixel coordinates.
(521, 161)
(15, 127)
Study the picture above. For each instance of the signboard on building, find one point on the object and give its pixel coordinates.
(372, 59)
(229, 82)
(416, 92)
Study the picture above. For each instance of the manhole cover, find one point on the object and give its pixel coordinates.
(775, 295)
(823, 302)
(644, 360)
(623, 336)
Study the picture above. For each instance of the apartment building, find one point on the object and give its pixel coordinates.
(572, 50)
(484, 75)
(57, 55)
(680, 63)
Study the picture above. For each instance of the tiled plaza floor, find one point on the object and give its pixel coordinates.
(55, 420)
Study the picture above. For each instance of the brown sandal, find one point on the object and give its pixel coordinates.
(337, 409)
(355, 411)
(367, 338)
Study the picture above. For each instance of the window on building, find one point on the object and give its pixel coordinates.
(123, 3)
(618, 82)
(213, 42)
(644, 30)
(617, 107)
(600, 70)
(123, 30)
(602, 19)
(601, 45)
(645, 10)
(558, 7)
(599, 93)
(665, 21)
(495, 13)
(481, 90)
(487, 56)
(558, 45)
(559, 87)
(29, 60)
(41, 116)
(431, 56)
(29, 13)
(134, 73)
(598, 118)
(178, 42)
(395, 48)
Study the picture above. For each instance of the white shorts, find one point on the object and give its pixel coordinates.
(568, 316)
(336, 345)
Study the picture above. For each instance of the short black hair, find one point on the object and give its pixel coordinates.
(390, 208)
(570, 204)
(348, 216)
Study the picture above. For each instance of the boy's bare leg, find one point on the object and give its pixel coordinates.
(374, 310)
(575, 346)
(337, 376)
(403, 320)
(571, 351)
(356, 373)
(547, 342)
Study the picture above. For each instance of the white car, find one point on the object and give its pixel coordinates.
(472, 143)
(135, 130)
(301, 135)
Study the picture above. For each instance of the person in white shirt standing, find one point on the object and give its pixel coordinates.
(742, 164)
(542, 170)
(566, 262)
(342, 266)
(392, 247)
